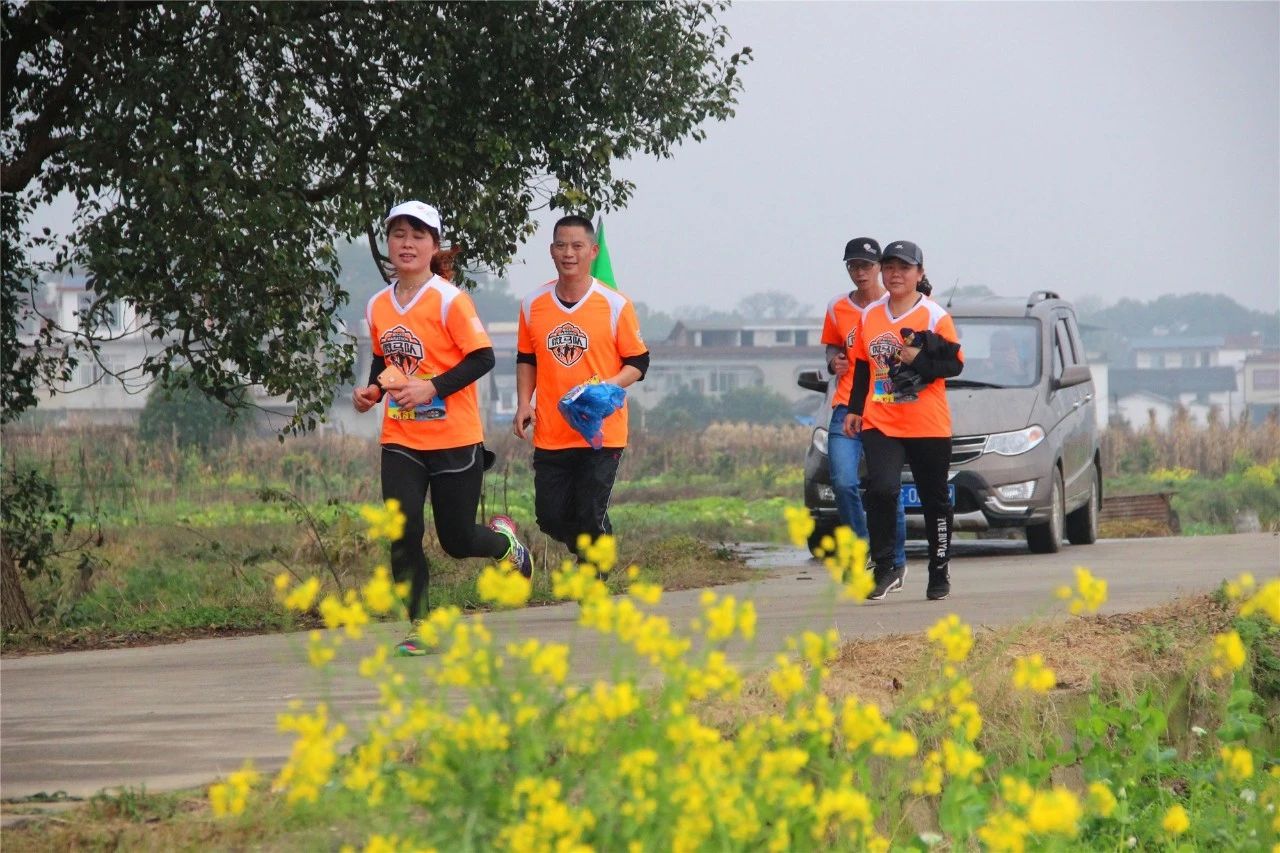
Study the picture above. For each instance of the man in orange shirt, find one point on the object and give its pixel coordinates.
(906, 345)
(574, 330)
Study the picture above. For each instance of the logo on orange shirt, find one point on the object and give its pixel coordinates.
(402, 348)
(849, 338)
(884, 349)
(567, 343)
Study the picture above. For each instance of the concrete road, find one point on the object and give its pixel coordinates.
(181, 715)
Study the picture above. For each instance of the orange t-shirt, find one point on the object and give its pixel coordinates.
(840, 329)
(570, 346)
(424, 338)
(879, 339)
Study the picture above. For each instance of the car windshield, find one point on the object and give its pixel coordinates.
(1000, 352)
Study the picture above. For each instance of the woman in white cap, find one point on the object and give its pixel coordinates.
(429, 348)
(906, 346)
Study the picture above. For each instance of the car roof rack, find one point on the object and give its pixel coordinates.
(1040, 296)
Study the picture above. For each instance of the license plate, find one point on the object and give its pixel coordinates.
(911, 495)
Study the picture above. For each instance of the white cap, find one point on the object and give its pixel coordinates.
(418, 210)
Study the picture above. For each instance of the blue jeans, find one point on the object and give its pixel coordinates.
(844, 454)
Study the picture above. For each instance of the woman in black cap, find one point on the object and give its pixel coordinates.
(907, 345)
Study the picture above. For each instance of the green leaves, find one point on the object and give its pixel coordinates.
(218, 152)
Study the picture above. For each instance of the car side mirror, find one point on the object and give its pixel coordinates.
(1076, 374)
(812, 380)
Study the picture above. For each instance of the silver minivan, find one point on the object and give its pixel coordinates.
(1026, 447)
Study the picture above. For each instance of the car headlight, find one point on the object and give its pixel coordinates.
(820, 440)
(1013, 443)
(1017, 491)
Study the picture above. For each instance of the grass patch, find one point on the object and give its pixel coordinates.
(168, 584)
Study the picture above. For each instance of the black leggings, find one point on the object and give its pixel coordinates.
(930, 459)
(455, 478)
(571, 489)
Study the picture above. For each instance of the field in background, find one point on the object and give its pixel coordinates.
(190, 539)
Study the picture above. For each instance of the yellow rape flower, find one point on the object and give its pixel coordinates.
(347, 614)
(1003, 832)
(1241, 587)
(900, 744)
(953, 638)
(1016, 791)
(1030, 673)
(1228, 654)
(799, 525)
(379, 593)
(930, 781)
(303, 596)
(602, 553)
(788, 679)
(505, 588)
(385, 522)
(817, 649)
(961, 761)
(1266, 600)
(861, 723)
(721, 615)
(1175, 821)
(1057, 812)
(1101, 801)
(1089, 594)
(645, 593)
(317, 652)
(966, 718)
(1238, 762)
(841, 807)
(231, 797)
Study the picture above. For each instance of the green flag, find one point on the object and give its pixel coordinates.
(602, 267)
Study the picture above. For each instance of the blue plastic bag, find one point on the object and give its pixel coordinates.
(586, 406)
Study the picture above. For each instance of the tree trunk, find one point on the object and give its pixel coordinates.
(15, 613)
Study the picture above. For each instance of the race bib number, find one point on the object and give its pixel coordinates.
(884, 392)
(432, 410)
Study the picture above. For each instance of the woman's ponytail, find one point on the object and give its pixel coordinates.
(442, 262)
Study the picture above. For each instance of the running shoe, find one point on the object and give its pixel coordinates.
(886, 582)
(517, 553)
(902, 578)
(939, 583)
(411, 647)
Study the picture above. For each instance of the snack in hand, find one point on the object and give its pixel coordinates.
(392, 376)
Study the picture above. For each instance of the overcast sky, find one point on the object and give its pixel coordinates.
(1099, 149)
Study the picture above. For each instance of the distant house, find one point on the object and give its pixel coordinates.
(1135, 393)
(714, 357)
(1261, 380)
(755, 333)
(112, 389)
(1160, 353)
(1142, 408)
(107, 390)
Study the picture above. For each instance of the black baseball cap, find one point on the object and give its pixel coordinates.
(905, 250)
(862, 249)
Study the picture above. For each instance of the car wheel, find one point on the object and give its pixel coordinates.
(820, 532)
(1082, 524)
(1047, 538)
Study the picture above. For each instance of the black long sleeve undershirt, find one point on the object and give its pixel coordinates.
(474, 365)
(639, 362)
(861, 384)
